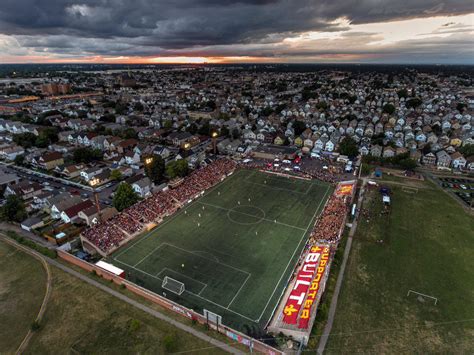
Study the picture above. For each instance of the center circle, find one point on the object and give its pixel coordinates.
(246, 214)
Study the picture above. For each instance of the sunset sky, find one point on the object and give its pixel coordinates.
(227, 31)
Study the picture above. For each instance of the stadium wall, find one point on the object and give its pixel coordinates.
(253, 344)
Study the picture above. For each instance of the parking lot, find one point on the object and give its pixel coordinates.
(461, 187)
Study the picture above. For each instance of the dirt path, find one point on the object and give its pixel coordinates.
(49, 283)
(152, 312)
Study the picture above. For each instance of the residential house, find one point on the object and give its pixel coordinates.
(24, 189)
(60, 203)
(143, 187)
(89, 173)
(443, 159)
(388, 152)
(376, 151)
(429, 159)
(50, 160)
(458, 161)
(70, 214)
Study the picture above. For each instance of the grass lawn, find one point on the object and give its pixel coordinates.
(233, 248)
(82, 319)
(22, 288)
(425, 244)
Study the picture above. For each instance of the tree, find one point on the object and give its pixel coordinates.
(14, 209)
(177, 168)
(19, 160)
(467, 150)
(224, 132)
(155, 169)
(299, 127)
(407, 164)
(322, 105)
(87, 155)
(128, 133)
(402, 93)
(414, 103)
(26, 140)
(427, 148)
(138, 106)
(389, 109)
(192, 128)
(124, 197)
(461, 106)
(205, 129)
(235, 133)
(348, 146)
(116, 175)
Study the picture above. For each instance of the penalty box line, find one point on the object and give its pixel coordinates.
(192, 293)
(187, 277)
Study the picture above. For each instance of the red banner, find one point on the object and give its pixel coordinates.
(303, 283)
(314, 290)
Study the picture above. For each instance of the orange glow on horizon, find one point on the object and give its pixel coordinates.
(136, 60)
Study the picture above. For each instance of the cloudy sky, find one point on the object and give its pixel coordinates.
(214, 31)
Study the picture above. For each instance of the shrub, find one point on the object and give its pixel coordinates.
(134, 325)
(170, 343)
(35, 326)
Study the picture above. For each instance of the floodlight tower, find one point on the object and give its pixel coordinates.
(94, 182)
(214, 141)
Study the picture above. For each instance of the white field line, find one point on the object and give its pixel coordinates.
(191, 293)
(175, 215)
(176, 272)
(292, 256)
(198, 200)
(240, 289)
(250, 215)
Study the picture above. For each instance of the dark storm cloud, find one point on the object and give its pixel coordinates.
(254, 28)
(174, 24)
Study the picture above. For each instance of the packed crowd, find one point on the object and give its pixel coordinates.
(109, 234)
(306, 172)
(328, 227)
(321, 174)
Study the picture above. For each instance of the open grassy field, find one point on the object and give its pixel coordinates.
(425, 244)
(233, 248)
(81, 319)
(22, 288)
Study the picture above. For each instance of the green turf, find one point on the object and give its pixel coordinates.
(427, 246)
(233, 248)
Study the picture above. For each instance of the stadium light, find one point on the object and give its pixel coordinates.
(94, 182)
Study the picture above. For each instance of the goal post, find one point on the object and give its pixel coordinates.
(212, 317)
(173, 285)
(422, 296)
(410, 190)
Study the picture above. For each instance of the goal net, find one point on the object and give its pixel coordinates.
(212, 317)
(173, 285)
(410, 190)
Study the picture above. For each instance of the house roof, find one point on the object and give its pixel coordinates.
(75, 209)
(51, 156)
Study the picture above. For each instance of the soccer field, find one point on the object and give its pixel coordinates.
(233, 248)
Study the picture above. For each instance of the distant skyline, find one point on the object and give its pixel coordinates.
(245, 31)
